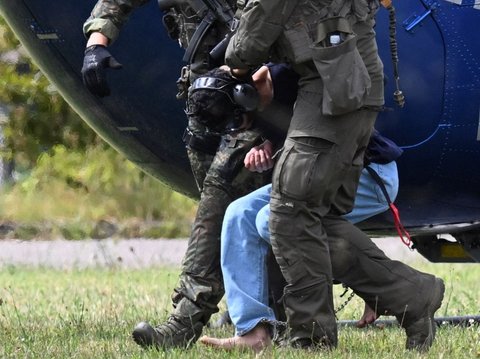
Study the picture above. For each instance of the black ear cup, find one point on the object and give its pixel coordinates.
(246, 96)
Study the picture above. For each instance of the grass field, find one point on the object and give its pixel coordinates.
(48, 313)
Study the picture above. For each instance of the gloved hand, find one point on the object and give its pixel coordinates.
(97, 59)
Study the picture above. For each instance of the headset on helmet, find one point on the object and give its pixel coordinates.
(219, 101)
(240, 94)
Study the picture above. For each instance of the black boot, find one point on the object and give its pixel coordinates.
(421, 332)
(175, 333)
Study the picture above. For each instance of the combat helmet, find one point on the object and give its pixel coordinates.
(219, 101)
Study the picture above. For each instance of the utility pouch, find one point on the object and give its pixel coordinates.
(346, 82)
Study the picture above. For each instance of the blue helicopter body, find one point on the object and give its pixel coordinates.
(439, 128)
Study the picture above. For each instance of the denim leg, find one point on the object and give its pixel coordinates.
(247, 218)
(369, 199)
(243, 259)
(261, 222)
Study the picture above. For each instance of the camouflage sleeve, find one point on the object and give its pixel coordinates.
(108, 16)
(260, 26)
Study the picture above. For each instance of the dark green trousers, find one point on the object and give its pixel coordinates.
(387, 286)
(314, 183)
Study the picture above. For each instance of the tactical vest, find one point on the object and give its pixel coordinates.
(198, 32)
(183, 17)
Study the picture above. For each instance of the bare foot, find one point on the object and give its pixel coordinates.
(257, 339)
(368, 317)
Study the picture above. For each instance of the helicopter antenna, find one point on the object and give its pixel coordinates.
(398, 96)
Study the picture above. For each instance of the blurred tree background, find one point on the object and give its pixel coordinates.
(59, 179)
(38, 117)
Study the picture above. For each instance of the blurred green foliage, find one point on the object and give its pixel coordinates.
(38, 118)
(67, 173)
(94, 184)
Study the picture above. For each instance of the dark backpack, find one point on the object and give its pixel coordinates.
(381, 150)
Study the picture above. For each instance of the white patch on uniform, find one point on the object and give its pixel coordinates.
(289, 204)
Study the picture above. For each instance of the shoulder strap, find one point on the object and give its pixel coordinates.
(197, 37)
(396, 214)
(218, 10)
(380, 183)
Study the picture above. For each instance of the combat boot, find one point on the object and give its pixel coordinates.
(421, 332)
(175, 333)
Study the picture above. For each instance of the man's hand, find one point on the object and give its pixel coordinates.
(259, 158)
(97, 59)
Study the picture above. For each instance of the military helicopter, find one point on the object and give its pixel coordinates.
(438, 128)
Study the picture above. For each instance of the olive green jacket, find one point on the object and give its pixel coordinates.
(260, 26)
(264, 24)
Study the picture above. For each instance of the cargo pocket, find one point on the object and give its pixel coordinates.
(292, 272)
(346, 82)
(302, 172)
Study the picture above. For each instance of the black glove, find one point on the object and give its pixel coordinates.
(96, 60)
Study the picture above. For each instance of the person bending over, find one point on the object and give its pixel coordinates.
(316, 177)
(246, 242)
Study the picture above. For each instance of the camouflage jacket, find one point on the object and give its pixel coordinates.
(108, 17)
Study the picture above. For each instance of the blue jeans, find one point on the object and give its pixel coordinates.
(246, 239)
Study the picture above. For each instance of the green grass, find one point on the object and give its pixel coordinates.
(47, 313)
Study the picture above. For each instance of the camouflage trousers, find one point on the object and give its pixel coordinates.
(221, 178)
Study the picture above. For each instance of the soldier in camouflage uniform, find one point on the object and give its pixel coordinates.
(331, 45)
(216, 158)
